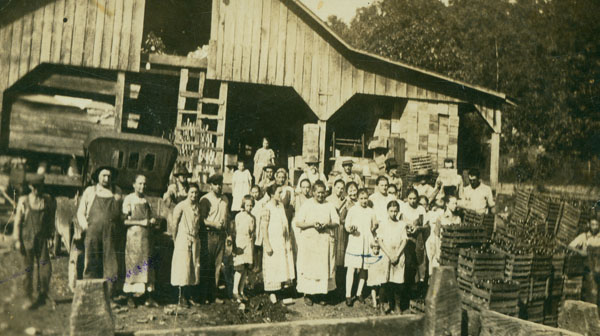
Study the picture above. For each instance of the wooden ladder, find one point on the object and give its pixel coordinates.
(200, 145)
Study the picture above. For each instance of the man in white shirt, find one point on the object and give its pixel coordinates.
(477, 196)
(588, 244)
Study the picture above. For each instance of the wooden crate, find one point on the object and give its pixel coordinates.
(421, 162)
(572, 287)
(500, 296)
(574, 265)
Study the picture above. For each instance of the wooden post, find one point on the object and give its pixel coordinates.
(442, 304)
(119, 98)
(223, 91)
(494, 159)
(322, 144)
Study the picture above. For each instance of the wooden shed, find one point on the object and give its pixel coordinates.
(268, 61)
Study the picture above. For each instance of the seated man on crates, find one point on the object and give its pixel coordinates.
(448, 182)
(423, 187)
(477, 196)
(588, 244)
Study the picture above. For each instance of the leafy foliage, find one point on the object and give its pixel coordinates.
(543, 54)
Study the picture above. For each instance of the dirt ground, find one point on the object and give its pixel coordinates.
(49, 320)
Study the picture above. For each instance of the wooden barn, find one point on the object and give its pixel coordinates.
(267, 68)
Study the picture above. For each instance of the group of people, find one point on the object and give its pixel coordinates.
(307, 238)
(313, 239)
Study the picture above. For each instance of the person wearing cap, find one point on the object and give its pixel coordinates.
(34, 225)
(214, 211)
(312, 173)
(348, 176)
(423, 187)
(139, 220)
(477, 196)
(264, 156)
(268, 176)
(177, 191)
(99, 216)
(391, 172)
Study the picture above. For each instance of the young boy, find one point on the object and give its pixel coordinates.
(245, 226)
(360, 222)
(392, 240)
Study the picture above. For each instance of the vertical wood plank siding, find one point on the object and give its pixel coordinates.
(285, 50)
(94, 33)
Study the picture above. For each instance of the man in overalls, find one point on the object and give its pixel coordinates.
(34, 225)
(99, 216)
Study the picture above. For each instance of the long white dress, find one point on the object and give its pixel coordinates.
(358, 251)
(316, 250)
(241, 182)
(185, 268)
(278, 268)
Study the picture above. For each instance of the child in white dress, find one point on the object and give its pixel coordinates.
(245, 228)
(360, 222)
(391, 238)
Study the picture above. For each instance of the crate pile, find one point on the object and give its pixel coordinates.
(497, 295)
(568, 223)
(547, 211)
(522, 201)
(478, 264)
(483, 220)
(455, 237)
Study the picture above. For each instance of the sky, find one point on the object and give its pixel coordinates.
(344, 9)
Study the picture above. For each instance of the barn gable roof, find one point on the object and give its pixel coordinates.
(362, 57)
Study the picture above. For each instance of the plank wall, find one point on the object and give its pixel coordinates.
(91, 33)
(276, 46)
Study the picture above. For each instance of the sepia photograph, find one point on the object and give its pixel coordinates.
(300, 167)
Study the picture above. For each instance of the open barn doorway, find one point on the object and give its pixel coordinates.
(257, 111)
(176, 27)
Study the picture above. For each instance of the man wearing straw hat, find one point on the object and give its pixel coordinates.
(312, 174)
(177, 191)
(34, 224)
(99, 216)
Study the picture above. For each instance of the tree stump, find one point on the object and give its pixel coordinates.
(443, 304)
(90, 311)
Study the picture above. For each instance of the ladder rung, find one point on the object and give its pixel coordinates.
(197, 95)
(201, 115)
(210, 132)
(210, 148)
